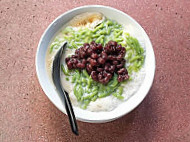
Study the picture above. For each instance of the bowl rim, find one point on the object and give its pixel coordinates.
(136, 103)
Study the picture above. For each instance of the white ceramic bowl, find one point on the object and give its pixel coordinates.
(84, 115)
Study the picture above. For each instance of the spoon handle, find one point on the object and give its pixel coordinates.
(70, 113)
(68, 106)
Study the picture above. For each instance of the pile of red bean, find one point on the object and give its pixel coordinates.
(100, 62)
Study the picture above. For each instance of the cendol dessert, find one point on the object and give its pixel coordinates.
(102, 64)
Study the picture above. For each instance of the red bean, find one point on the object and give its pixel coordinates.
(121, 71)
(93, 47)
(89, 51)
(100, 69)
(99, 47)
(111, 57)
(101, 60)
(94, 75)
(88, 59)
(120, 78)
(100, 76)
(126, 76)
(112, 69)
(107, 66)
(93, 42)
(104, 55)
(106, 80)
(74, 56)
(86, 45)
(69, 65)
(119, 66)
(101, 63)
(76, 51)
(89, 68)
(113, 43)
(93, 62)
(109, 75)
(80, 65)
(84, 61)
(67, 59)
(75, 61)
(105, 73)
(115, 62)
(94, 55)
(119, 47)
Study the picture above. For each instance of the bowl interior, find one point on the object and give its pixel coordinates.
(136, 31)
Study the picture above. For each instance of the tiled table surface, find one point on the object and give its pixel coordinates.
(26, 114)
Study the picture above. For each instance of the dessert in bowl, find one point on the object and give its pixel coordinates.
(108, 64)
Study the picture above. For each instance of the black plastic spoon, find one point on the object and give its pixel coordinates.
(62, 93)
